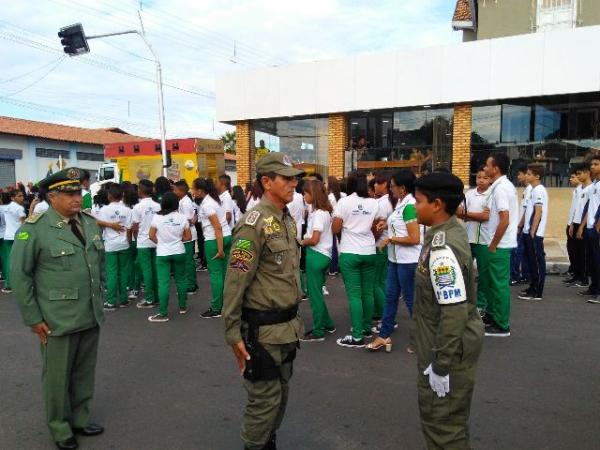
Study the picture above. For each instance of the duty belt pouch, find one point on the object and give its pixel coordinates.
(262, 366)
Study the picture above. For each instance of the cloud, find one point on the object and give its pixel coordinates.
(196, 41)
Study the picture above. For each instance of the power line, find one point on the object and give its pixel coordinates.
(23, 75)
(57, 63)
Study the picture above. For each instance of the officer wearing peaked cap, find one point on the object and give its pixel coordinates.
(446, 331)
(262, 292)
(58, 258)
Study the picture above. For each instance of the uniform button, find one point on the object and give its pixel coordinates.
(62, 253)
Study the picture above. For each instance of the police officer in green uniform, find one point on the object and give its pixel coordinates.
(261, 297)
(58, 258)
(447, 331)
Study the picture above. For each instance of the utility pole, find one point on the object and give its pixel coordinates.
(74, 41)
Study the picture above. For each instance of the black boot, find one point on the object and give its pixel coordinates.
(272, 444)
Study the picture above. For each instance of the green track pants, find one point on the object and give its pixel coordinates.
(217, 268)
(117, 276)
(481, 254)
(358, 272)
(381, 265)
(494, 283)
(165, 265)
(146, 261)
(190, 265)
(5, 254)
(316, 268)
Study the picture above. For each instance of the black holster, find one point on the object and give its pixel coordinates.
(262, 366)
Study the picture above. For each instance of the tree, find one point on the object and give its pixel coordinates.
(229, 139)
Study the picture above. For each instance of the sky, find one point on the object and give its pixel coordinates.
(113, 85)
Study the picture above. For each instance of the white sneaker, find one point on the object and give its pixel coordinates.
(133, 294)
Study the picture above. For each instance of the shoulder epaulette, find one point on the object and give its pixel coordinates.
(34, 217)
(87, 212)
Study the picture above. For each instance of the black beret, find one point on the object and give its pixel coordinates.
(441, 182)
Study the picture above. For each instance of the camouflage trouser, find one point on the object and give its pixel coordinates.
(267, 400)
(445, 420)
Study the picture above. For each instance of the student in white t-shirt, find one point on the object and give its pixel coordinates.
(318, 242)
(188, 209)
(142, 215)
(254, 196)
(404, 247)
(169, 230)
(224, 190)
(386, 205)
(297, 210)
(116, 245)
(355, 217)
(239, 204)
(519, 264)
(536, 216)
(39, 205)
(217, 241)
(14, 216)
(3, 195)
(476, 214)
(571, 244)
(335, 193)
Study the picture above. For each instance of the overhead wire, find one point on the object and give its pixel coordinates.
(23, 75)
(52, 69)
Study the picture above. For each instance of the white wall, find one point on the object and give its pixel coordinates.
(529, 65)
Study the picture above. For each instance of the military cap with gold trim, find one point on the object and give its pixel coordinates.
(66, 180)
(278, 163)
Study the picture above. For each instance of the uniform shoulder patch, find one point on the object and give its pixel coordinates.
(88, 213)
(252, 218)
(439, 239)
(446, 277)
(34, 217)
(22, 235)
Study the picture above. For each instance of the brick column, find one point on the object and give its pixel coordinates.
(244, 150)
(338, 142)
(461, 142)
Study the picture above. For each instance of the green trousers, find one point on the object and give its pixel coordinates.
(69, 366)
(444, 420)
(358, 272)
(381, 264)
(146, 261)
(267, 400)
(316, 268)
(190, 265)
(165, 265)
(1, 256)
(217, 268)
(494, 282)
(117, 276)
(135, 272)
(481, 254)
(5, 254)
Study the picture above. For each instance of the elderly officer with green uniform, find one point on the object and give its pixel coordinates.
(446, 331)
(261, 297)
(58, 260)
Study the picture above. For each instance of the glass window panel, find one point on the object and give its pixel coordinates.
(516, 123)
(486, 124)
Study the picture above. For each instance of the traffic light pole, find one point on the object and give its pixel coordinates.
(159, 85)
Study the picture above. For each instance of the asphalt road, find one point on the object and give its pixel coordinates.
(175, 385)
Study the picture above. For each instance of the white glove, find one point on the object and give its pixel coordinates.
(440, 385)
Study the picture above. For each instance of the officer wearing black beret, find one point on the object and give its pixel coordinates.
(58, 257)
(446, 331)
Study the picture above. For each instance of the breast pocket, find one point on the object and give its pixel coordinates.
(63, 294)
(99, 245)
(62, 254)
(278, 254)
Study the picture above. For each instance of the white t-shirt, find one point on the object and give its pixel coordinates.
(95, 212)
(237, 214)
(539, 197)
(252, 203)
(403, 214)
(188, 209)
(296, 208)
(13, 213)
(2, 223)
(320, 220)
(227, 203)
(41, 207)
(169, 231)
(385, 209)
(584, 196)
(142, 214)
(477, 202)
(209, 207)
(524, 200)
(594, 204)
(574, 203)
(504, 198)
(358, 215)
(115, 241)
(332, 199)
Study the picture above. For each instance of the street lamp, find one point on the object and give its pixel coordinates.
(74, 42)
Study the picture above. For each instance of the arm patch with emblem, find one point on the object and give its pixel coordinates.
(446, 277)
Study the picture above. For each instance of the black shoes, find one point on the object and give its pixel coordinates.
(210, 314)
(493, 330)
(271, 445)
(68, 444)
(310, 337)
(350, 342)
(91, 430)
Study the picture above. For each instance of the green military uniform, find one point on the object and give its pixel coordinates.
(58, 280)
(263, 275)
(446, 333)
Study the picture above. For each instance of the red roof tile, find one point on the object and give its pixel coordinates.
(462, 12)
(99, 136)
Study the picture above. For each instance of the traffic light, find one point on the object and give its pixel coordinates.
(73, 40)
(169, 161)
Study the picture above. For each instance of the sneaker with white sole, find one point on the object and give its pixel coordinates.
(125, 304)
(330, 330)
(6, 290)
(210, 314)
(108, 307)
(310, 337)
(350, 342)
(133, 294)
(144, 304)
(595, 300)
(184, 310)
(158, 318)
(495, 331)
(325, 291)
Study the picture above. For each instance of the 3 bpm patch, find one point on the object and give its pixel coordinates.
(446, 277)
